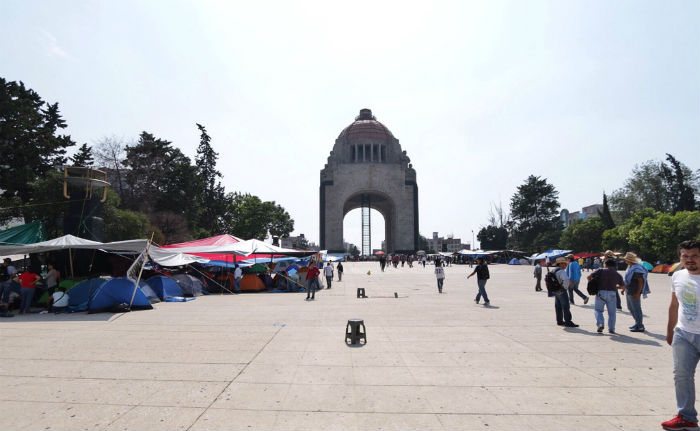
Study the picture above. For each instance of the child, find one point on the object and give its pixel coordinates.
(440, 274)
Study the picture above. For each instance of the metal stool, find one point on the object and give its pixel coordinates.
(355, 331)
(361, 292)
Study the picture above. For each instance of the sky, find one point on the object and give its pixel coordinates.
(480, 94)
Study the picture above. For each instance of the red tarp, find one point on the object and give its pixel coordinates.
(586, 254)
(224, 239)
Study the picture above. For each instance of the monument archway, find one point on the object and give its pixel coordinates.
(368, 169)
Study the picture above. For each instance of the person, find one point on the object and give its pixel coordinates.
(538, 276)
(60, 300)
(27, 280)
(609, 254)
(328, 272)
(482, 275)
(562, 307)
(382, 262)
(423, 260)
(573, 273)
(683, 334)
(7, 274)
(547, 262)
(440, 275)
(635, 279)
(609, 281)
(312, 281)
(340, 271)
(52, 277)
(237, 276)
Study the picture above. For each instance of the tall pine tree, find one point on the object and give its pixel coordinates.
(212, 199)
(605, 215)
(83, 157)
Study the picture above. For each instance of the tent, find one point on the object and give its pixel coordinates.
(165, 287)
(80, 295)
(149, 292)
(252, 283)
(189, 285)
(73, 242)
(258, 268)
(647, 265)
(585, 255)
(24, 234)
(551, 254)
(118, 291)
(661, 268)
(514, 261)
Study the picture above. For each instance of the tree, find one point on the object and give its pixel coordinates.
(534, 212)
(110, 154)
(657, 237)
(212, 198)
(583, 235)
(618, 237)
(681, 185)
(122, 224)
(29, 142)
(492, 237)
(249, 217)
(605, 215)
(83, 157)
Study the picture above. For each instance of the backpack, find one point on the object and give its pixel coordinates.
(4, 275)
(593, 286)
(552, 282)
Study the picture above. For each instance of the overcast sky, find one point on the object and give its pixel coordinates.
(480, 94)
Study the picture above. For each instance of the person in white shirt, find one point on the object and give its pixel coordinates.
(60, 300)
(683, 334)
(440, 275)
(328, 272)
(237, 276)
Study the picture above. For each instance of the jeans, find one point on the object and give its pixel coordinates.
(635, 308)
(311, 286)
(237, 285)
(538, 286)
(573, 287)
(27, 296)
(686, 353)
(618, 301)
(439, 282)
(5, 289)
(340, 275)
(329, 280)
(482, 290)
(605, 298)
(562, 307)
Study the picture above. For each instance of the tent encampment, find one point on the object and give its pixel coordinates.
(189, 285)
(118, 291)
(514, 261)
(79, 295)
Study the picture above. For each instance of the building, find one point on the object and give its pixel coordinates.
(298, 242)
(568, 218)
(449, 244)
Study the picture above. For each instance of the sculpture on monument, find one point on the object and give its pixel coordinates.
(367, 169)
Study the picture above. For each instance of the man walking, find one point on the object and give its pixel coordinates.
(328, 272)
(440, 275)
(340, 271)
(312, 281)
(573, 272)
(538, 277)
(562, 307)
(635, 280)
(609, 280)
(683, 334)
(237, 276)
(482, 275)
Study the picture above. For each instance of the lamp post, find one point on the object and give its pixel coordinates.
(472, 239)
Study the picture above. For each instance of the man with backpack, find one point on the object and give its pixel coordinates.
(557, 282)
(609, 280)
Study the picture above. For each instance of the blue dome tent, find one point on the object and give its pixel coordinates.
(79, 296)
(164, 287)
(118, 291)
(514, 261)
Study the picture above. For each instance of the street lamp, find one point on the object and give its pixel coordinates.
(472, 239)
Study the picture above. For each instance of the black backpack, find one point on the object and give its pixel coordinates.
(593, 286)
(552, 282)
(4, 275)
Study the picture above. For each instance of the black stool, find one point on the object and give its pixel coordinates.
(355, 331)
(361, 292)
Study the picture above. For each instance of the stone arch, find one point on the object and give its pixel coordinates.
(367, 159)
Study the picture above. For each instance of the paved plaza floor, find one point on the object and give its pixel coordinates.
(275, 361)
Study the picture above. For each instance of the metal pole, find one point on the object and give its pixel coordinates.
(138, 279)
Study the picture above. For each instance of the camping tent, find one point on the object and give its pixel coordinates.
(24, 234)
(164, 287)
(149, 292)
(189, 285)
(79, 296)
(118, 291)
(514, 261)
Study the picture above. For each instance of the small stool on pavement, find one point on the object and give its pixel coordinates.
(361, 292)
(355, 331)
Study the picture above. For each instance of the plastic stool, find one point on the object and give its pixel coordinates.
(361, 292)
(355, 331)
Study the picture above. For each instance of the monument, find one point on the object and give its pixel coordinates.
(367, 169)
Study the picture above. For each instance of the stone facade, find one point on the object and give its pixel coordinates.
(367, 160)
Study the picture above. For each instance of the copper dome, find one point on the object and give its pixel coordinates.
(365, 126)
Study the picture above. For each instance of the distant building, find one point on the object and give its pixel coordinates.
(567, 218)
(298, 242)
(449, 244)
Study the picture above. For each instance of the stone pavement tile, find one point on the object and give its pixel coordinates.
(495, 377)
(555, 422)
(383, 376)
(639, 423)
(624, 376)
(461, 399)
(183, 393)
(365, 356)
(93, 391)
(20, 415)
(557, 347)
(60, 416)
(215, 419)
(657, 400)
(341, 359)
(470, 422)
(157, 418)
(322, 398)
(264, 373)
(391, 399)
(568, 401)
(323, 375)
(117, 370)
(275, 357)
(314, 420)
(496, 360)
(398, 422)
(252, 396)
(417, 359)
(660, 358)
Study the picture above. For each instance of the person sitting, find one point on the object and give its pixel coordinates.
(59, 300)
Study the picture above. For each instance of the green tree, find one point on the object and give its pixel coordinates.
(605, 215)
(492, 237)
(583, 235)
(618, 238)
(682, 185)
(29, 142)
(534, 212)
(249, 217)
(122, 224)
(83, 157)
(657, 237)
(212, 198)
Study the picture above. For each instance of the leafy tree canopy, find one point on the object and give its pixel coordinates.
(249, 217)
(534, 211)
(493, 237)
(583, 235)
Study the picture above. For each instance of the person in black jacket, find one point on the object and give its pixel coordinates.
(482, 274)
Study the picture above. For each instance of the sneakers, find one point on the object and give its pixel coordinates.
(585, 301)
(560, 323)
(570, 325)
(637, 329)
(678, 423)
(600, 329)
(487, 303)
(612, 331)
(476, 300)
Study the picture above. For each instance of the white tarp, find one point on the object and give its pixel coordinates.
(552, 254)
(73, 242)
(173, 257)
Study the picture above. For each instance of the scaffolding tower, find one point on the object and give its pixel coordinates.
(366, 226)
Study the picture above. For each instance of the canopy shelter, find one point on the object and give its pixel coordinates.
(24, 234)
(551, 254)
(475, 253)
(585, 255)
(73, 242)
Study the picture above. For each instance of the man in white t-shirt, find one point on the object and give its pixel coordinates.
(328, 272)
(683, 334)
(237, 276)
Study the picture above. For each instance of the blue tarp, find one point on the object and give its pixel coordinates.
(164, 287)
(118, 291)
(551, 254)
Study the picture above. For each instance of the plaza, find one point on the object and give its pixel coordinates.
(276, 361)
